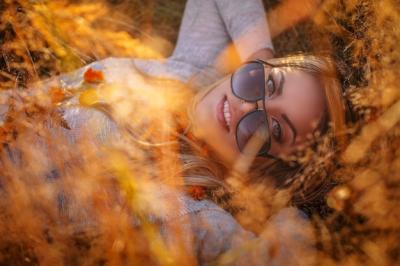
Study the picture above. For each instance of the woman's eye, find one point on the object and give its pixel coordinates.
(270, 86)
(276, 130)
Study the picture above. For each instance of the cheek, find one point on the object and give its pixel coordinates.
(306, 103)
(203, 110)
(308, 125)
(207, 128)
(199, 119)
(307, 118)
(310, 114)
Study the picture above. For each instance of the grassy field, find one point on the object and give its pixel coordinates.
(359, 221)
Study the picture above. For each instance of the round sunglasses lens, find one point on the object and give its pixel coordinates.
(253, 124)
(248, 82)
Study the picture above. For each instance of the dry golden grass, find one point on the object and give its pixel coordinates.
(361, 226)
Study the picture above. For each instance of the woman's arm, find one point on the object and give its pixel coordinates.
(215, 237)
(247, 25)
(288, 239)
(209, 27)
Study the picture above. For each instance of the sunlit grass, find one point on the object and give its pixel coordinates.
(110, 185)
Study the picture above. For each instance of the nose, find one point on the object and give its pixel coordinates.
(274, 106)
(245, 107)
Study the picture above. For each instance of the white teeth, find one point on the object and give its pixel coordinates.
(227, 114)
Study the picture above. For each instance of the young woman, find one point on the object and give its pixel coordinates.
(264, 112)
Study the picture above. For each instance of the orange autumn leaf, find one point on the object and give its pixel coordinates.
(93, 76)
(57, 95)
(197, 192)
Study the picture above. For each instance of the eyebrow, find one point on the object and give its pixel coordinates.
(290, 124)
(281, 82)
(284, 116)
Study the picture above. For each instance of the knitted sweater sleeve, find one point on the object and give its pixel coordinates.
(246, 24)
(209, 26)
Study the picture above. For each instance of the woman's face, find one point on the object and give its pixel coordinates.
(295, 105)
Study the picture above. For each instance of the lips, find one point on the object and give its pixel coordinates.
(224, 114)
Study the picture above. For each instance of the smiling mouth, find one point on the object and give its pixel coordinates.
(224, 114)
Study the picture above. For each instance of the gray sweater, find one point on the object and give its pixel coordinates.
(208, 28)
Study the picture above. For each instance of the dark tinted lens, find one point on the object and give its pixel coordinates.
(253, 124)
(248, 82)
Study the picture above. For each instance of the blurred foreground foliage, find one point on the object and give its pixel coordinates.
(42, 38)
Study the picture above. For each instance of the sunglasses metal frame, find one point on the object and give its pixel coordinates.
(263, 109)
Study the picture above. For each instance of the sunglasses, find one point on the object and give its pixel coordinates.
(248, 83)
